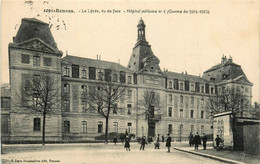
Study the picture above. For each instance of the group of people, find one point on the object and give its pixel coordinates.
(196, 140)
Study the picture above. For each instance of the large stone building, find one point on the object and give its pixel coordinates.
(183, 96)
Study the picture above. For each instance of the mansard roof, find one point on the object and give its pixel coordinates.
(33, 28)
(218, 66)
(87, 62)
(183, 77)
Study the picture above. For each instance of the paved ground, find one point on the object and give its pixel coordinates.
(96, 153)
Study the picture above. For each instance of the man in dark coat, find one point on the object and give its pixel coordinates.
(127, 144)
(143, 142)
(204, 140)
(218, 140)
(196, 141)
(157, 143)
(115, 140)
(162, 138)
(168, 142)
(191, 139)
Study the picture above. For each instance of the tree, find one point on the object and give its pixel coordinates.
(102, 97)
(255, 110)
(40, 93)
(150, 108)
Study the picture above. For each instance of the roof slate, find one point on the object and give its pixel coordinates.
(180, 76)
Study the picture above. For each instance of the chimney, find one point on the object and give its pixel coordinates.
(186, 73)
(66, 53)
(230, 59)
(97, 57)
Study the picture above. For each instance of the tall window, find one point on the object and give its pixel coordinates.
(129, 108)
(202, 89)
(181, 86)
(100, 127)
(176, 84)
(212, 90)
(170, 98)
(5, 102)
(129, 79)
(181, 113)
(129, 125)
(191, 113)
(67, 71)
(170, 84)
(66, 105)
(129, 94)
(115, 77)
(84, 106)
(181, 129)
(122, 77)
(170, 112)
(107, 75)
(207, 88)
(66, 88)
(197, 86)
(84, 126)
(192, 129)
(181, 99)
(36, 124)
(115, 126)
(115, 109)
(202, 129)
(36, 60)
(170, 128)
(66, 126)
(47, 61)
(201, 114)
(83, 88)
(192, 87)
(84, 73)
(100, 75)
(92, 73)
(187, 85)
(25, 59)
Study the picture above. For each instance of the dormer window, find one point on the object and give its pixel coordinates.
(84, 73)
(36, 60)
(181, 86)
(67, 71)
(129, 79)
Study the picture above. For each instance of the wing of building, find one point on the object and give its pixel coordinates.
(182, 96)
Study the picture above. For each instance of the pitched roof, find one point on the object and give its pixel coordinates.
(34, 28)
(184, 77)
(68, 59)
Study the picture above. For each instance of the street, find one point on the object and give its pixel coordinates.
(89, 153)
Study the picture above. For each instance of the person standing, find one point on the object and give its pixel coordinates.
(162, 138)
(218, 140)
(127, 144)
(157, 143)
(115, 140)
(143, 142)
(196, 141)
(191, 139)
(204, 140)
(168, 142)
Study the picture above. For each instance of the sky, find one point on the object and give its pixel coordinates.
(182, 41)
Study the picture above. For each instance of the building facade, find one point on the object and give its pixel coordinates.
(183, 97)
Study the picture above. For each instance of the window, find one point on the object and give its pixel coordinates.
(129, 125)
(207, 88)
(181, 129)
(84, 106)
(192, 100)
(66, 88)
(170, 129)
(67, 71)
(84, 73)
(47, 62)
(36, 100)
(192, 87)
(181, 113)
(122, 77)
(115, 77)
(197, 87)
(25, 59)
(170, 112)
(115, 127)
(36, 79)
(202, 89)
(100, 127)
(92, 73)
(170, 84)
(83, 88)
(129, 79)
(202, 102)
(107, 75)
(181, 99)
(246, 90)
(191, 113)
(170, 98)
(192, 128)
(176, 84)
(36, 124)
(129, 94)
(202, 114)
(66, 105)
(66, 126)
(181, 86)
(84, 126)
(202, 129)
(115, 109)
(212, 90)
(36, 61)
(5, 102)
(129, 107)
(99, 107)
(100, 75)
(187, 85)
(152, 95)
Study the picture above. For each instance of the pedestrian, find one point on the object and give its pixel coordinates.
(115, 140)
(127, 144)
(168, 142)
(143, 142)
(204, 140)
(162, 138)
(191, 139)
(218, 140)
(157, 142)
(197, 141)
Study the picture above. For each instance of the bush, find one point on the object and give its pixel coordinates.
(112, 135)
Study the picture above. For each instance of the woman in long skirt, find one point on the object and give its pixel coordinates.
(127, 144)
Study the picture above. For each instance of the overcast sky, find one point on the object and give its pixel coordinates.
(182, 42)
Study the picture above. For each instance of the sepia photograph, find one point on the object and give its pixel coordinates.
(125, 81)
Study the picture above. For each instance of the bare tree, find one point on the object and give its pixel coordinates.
(102, 97)
(40, 94)
(150, 107)
(255, 110)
